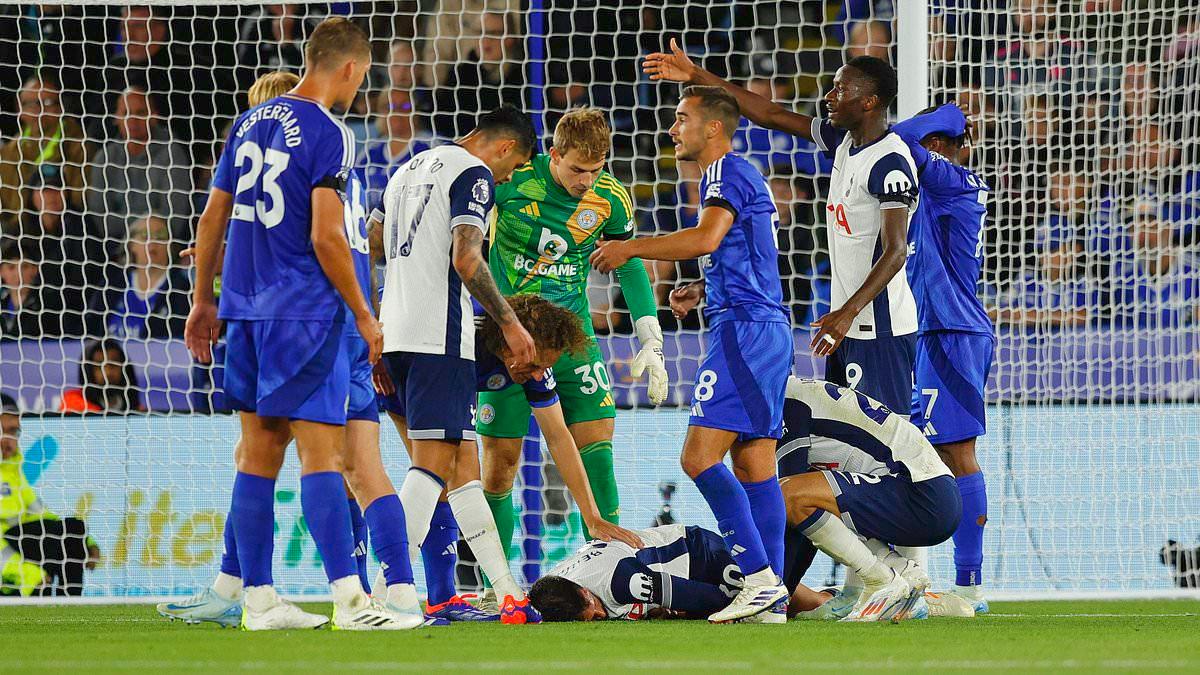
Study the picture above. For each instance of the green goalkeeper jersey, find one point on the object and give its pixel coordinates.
(542, 237)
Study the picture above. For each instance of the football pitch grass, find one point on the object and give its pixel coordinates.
(1116, 636)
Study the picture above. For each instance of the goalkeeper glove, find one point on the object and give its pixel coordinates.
(650, 358)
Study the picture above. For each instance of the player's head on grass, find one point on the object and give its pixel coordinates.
(581, 143)
(336, 60)
(560, 599)
(10, 426)
(950, 147)
(705, 121)
(503, 139)
(862, 91)
(554, 330)
(267, 87)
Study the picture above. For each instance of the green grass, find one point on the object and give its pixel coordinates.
(1133, 636)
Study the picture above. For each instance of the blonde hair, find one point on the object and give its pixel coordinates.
(585, 130)
(269, 86)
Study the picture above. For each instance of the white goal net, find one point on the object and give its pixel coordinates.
(1086, 120)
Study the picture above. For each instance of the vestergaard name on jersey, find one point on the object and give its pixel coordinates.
(286, 117)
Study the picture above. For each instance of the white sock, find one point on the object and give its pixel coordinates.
(227, 586)
(852, 580)
(832, 536)
(477, 527)
(379, 588)
(763, 577)
(403, 596)
(260, 598)
(418, 496)
(917, 554)
(347, 591)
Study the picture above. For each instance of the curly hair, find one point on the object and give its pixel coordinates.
(552, 327)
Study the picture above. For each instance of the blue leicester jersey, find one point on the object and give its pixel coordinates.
(492, 375)
(944, 237)
(276, 155)
(355, 208)
(742, 276)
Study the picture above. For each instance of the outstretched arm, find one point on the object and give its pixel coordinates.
(677, 67)
(693, 242)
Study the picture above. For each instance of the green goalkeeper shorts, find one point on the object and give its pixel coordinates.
(583, 387)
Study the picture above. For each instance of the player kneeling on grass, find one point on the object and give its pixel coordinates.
(555, 331)
(850, 469)
(683, 572)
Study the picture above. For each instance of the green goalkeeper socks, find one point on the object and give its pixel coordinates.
(501, 505)
(598, 463)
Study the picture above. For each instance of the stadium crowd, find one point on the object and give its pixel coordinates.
(112, 116)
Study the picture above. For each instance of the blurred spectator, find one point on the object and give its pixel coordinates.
(397, 138)
(870, 38)
(107, 383)
(1058, 294)
(149, 297)
(487, 75)
(402, 74)
(66, 40)
(144, 171)
(452, 31)
(272, 37)
(1155, 284)
(675, 208)
(189, 92)
(31, 298)
(794, 197)
(48, 138)
(62, 239)
(40, 553)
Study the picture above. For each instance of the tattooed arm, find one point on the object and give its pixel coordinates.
(473, 270)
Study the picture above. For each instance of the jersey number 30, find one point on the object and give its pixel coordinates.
(275, 161)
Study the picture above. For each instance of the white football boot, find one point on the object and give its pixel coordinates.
(366, 613)
(835, 608)
(263, 609)
(944, 604)
(880, 602)
(750, 601)
(204, 606)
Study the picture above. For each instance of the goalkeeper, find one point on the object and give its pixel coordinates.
(548, 219)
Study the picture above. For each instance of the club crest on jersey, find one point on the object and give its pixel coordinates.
(496, 382)
(487, 414)
(480, 191)
(587, 219)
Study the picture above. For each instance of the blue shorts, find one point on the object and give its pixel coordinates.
(951, 372)
(709, 559)
(881, 368)
(362, 404)
(435, 394)
(895, 510)
(741, 381)
(292, 369)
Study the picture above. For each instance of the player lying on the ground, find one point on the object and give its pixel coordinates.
(681, 572)
(549, 218)
(555, 331)
(851, 468)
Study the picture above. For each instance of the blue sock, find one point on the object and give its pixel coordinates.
(252, 513)
(385, 519)
(358, 528)
(728, 502)
(229, 560)
(968, 538)
(438, 554)
(770, 517)
(323, 501)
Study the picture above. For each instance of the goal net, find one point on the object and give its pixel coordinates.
(1086, 123)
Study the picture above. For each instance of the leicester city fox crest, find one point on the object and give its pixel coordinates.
(587, 219)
